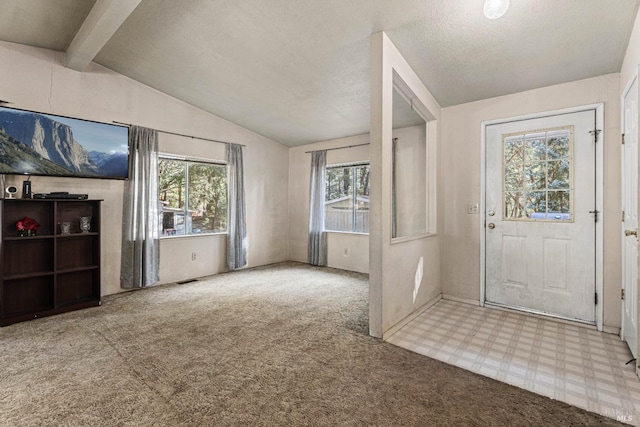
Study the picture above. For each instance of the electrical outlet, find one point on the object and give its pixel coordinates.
(473, 208)
(346, 251)
(193, 256)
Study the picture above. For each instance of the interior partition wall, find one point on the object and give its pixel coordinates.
(404, 272)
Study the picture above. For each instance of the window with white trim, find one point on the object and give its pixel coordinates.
(347, 198)
(192, 195)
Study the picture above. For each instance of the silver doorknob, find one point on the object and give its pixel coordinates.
(491, 226)
(631, 232)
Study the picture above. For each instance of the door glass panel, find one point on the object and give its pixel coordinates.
(558, 174)
(535, 147)
(514, 204)
(559, 202)
(536, 204)
(535, 176)
(558, 146)
(537, 173)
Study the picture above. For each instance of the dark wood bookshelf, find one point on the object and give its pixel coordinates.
(49, 273)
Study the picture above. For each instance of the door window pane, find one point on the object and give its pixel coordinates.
(537, 175)
(514, 204)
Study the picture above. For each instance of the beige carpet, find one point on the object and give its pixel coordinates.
(283, 345)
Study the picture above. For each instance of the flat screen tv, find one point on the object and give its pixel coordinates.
(44, 144)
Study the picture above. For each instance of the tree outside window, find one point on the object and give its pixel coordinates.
(193, 197)
(347, 198)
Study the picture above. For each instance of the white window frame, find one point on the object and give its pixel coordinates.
(189, 159)
(355, 195)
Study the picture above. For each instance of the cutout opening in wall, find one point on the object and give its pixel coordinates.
(410, 171)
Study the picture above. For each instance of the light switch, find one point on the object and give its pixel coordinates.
(473, 208)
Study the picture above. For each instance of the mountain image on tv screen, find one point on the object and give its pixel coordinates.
(43, 144)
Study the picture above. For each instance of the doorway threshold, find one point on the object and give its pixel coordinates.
(542, 315)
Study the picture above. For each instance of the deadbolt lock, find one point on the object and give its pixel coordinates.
(492, 213)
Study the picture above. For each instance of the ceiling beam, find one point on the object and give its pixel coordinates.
(103, 21)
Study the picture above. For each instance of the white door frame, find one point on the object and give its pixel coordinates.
(626, 90)
(599, 108)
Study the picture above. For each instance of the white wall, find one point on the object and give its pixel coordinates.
(460, 184)
(34, 79)
(357, 245)
(632, 57)
(392, 288)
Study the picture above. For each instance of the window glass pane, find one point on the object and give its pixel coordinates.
(171, 194)
(559, 202)
(347, 199)
(513, 150)
(558, 172)
(513, 178)
(339, 199)
(535, 147)
(536, 207)
(362, 207)
(207, 198)
(537, 175)
(193, 197)
(558, 146)
(514, 205)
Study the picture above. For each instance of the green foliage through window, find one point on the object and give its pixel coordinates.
(193, 197)
(347, 187)
(537, 175)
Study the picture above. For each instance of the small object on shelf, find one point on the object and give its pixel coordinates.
(11, 190)
(26, 189)
(85, 224)
(65, 227)
(27, 227)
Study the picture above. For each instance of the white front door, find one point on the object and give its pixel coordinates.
(630, 219)
(540, 198)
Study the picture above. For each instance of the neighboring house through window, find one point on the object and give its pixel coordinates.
(347, 198)
(193, 196)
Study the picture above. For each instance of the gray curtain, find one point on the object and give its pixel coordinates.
(236, 214)
(317, 236)
(140, 242)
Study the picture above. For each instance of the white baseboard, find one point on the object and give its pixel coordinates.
(462, 300)
(395, 328)
(611, 330)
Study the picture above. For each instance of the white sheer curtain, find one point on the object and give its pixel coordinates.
(140, 236)
(317, 237)
(236, 214)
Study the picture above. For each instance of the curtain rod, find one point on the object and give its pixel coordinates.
(181, 134)
(339, 148)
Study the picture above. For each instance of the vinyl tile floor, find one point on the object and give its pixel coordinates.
(571, 363)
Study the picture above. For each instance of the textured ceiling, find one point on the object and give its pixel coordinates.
(298, 71)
